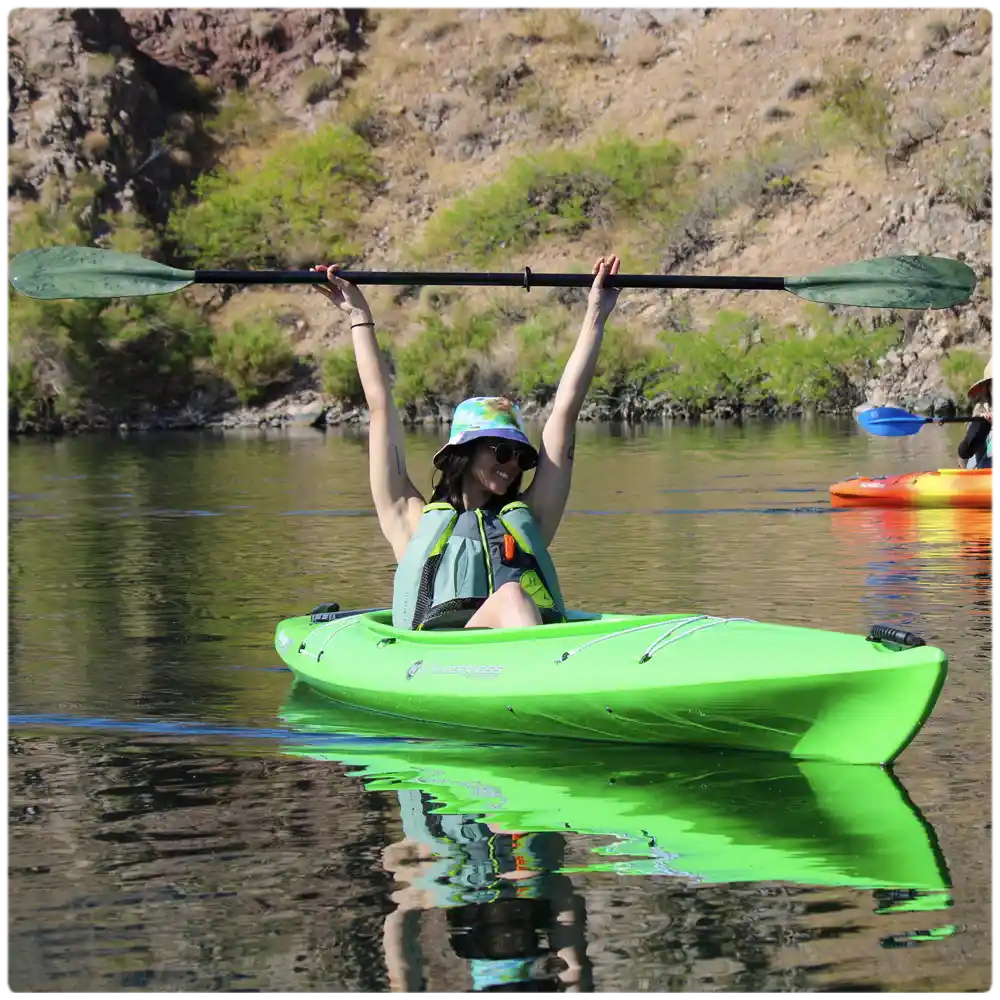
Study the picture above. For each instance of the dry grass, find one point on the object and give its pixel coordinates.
(566, 28)
(95, 145)
(641, 51)
(314, 84)
(99, 65)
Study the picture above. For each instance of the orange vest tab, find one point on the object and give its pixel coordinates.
(509, 548)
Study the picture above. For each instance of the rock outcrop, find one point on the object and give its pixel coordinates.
(122, 96)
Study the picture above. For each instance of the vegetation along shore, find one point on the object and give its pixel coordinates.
(696, 142)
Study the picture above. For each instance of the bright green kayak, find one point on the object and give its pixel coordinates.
(689, 679)
(697, 813)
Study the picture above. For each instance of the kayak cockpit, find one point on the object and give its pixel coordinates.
(578, 623)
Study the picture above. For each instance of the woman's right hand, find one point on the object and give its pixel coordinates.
(341, 293)
(603, 299)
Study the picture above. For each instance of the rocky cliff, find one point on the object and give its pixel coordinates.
(447, 99)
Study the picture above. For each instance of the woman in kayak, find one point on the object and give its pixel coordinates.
(976, 449)
(476, 555)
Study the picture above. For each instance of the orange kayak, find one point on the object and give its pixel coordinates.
(940, 488)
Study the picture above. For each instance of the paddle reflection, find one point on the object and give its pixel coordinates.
(485, 833)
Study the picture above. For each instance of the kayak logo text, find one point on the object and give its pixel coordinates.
(465, 669)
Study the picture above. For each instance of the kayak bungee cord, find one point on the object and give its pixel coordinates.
(667, 639)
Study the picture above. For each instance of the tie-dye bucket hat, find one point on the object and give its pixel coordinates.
(486, 416)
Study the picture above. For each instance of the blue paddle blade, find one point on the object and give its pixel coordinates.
(890, 421)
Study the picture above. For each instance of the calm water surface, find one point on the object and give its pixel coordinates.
(180, 819)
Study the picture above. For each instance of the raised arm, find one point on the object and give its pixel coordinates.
(398, 502)
(549, 490)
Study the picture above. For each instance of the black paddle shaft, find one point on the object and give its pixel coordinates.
(517, 279)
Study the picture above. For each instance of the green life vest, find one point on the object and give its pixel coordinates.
(455, 561)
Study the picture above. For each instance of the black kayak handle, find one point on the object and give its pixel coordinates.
(889, 633)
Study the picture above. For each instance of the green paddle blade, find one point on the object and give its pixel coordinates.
(90, 273)
(890, 283)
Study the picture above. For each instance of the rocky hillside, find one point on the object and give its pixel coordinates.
(803, 138)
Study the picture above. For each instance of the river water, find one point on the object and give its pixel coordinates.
(181, 820)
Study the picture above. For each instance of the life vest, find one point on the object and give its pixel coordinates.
(469, 861)
(456, 560)
(983, 458)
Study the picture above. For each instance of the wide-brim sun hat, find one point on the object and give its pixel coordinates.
(486, 417)
(977, 387)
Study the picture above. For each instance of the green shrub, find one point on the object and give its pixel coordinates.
(119, 354)
(960, 369)
(444, 358)
(824, 363)
(340, 378)
(964, 173)
(627, 368)
(128, 232)
(742, 359)
(148, 352)
(856, 106)
(22, 385)
(245, 117)
(252, 357)
(540, 357)
(703, 366)
(301, 203)
(58, 217)
(558, 192)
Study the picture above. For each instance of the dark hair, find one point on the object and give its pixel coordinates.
(505, 929)
(451, 471)
(502, 928)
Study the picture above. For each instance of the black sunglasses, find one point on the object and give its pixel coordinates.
(505, 452)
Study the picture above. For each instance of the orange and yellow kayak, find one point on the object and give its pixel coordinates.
(940, 488)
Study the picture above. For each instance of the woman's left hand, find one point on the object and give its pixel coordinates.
(601, 298)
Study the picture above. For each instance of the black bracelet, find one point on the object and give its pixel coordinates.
(354, 326)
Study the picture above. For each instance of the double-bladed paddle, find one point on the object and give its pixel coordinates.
(882, 283)
(890, 421)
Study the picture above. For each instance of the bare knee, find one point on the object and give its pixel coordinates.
(508, 607)
(512, 593)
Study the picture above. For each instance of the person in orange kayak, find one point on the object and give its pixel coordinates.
(477, 554)
(976, 449)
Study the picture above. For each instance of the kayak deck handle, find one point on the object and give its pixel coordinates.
(898, 636)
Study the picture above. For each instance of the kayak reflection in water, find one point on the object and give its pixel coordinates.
(510, 914)
(477, 555)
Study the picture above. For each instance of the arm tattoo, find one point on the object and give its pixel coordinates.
(399, 461)
(572, 448)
